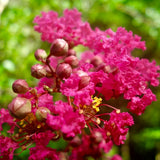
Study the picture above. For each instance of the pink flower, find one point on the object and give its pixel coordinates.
(138, 105)
(70, 27)
(68, 121)
(43, 138)
(88, 148)
(41, 152)
(7, 147)
(46, 100)
(5, 117)
(118, 42)
(116, 126)
(149, 71)
(106, 70)
(46, 81)
(71, 88)
(116, 157)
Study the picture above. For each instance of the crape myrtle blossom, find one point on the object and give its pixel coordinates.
(70, 101)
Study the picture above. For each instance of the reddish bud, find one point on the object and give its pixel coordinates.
(40, 55)
(20, 107)
(104, 68)
(66, 137)
(59, 48)
(71, 52)
(72, 60)
(84, 81)
(20, 86)
(96, 61)
(97, 137)
(41, 113)
(63, 70)
(38, 71)
(75, 142)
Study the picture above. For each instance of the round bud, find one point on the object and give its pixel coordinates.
(59, 48)
(67, 137)
(20, 86)
(72, 60)
(41, 113)
(84, 79)
(71, 52)
(20, 107)
(97, 137)
(40, 55)
(96, 61)
(63, 70)
(75, 142)
(104, 67)
(38, 71)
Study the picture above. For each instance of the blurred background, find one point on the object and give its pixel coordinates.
(18, 42)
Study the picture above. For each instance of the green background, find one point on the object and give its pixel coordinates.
(18, 42)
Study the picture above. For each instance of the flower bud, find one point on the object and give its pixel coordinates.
(71, 52)
(104, 67)
(63, 70)
(84, 79)
(97, 137)
(40, 55)
(41, 113)
(59, 48)
(38, 71)
(67, 137)
(96, 61)
(20, 107)
(75, 142)
(72, 60)
(20, 86)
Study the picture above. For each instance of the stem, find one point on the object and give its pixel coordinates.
(107, 105)
(69, 100)
(103, 114)
(95, 124)
(48, 64)
(90, 129)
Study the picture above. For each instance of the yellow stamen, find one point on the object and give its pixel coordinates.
(80, 111)
(27, 137)
(84, 106)
(96, 102)
(24, 125)
(108, 133)
(39, 126)
(22, 122)
(118, 111)
(98, 121)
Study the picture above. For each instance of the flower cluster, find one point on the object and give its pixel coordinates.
(83, 117)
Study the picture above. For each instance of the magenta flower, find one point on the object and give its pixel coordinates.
(41, 152)
(105, 71)
(7, 147)
(116, 126)
(67, 121)
(71, 88)
(5, 117)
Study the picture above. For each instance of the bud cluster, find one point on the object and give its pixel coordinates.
(70, 102)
